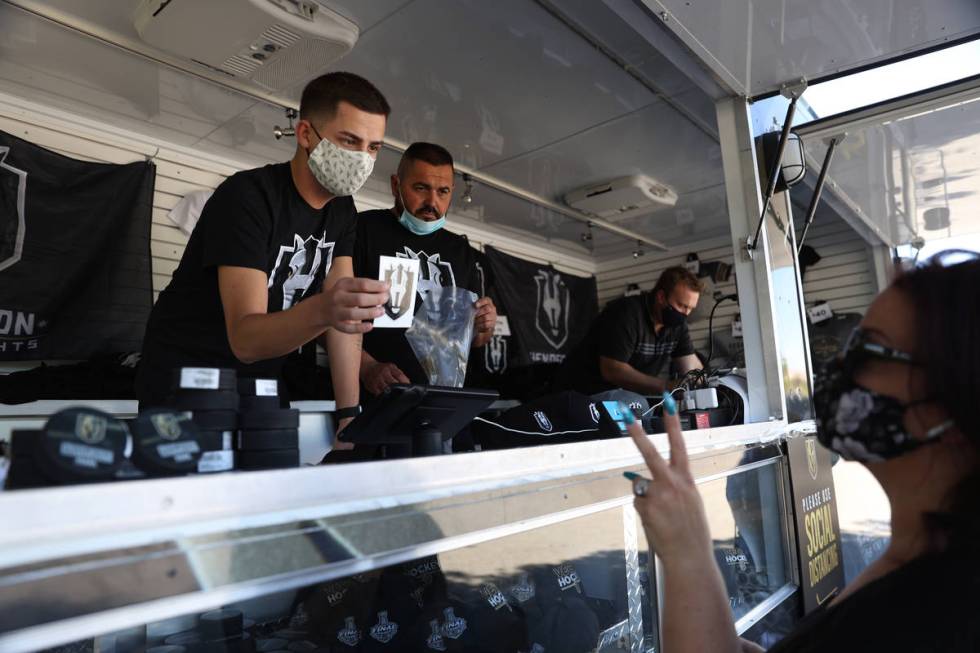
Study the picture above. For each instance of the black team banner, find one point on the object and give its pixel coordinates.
(75, 276)
(548, 312)
(489, 365)
(817, 526)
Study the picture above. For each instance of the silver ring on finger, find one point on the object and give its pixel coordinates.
(640, 487)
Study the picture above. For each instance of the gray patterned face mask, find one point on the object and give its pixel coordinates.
(341, 172)
(860, 424)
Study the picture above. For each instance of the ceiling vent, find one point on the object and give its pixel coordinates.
(622, 198)
(275, 44)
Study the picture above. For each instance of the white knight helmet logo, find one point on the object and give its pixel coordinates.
(433, 271)
(300, 270)
(12, 226)
(496, 355)
(551, 316)
(543, 420)
(594, 412)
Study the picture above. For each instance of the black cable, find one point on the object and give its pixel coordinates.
(737, 405)
(711, 326)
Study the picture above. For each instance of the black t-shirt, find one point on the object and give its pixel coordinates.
(445, 259)
(624, 332)
(929, 604)
(255, 219)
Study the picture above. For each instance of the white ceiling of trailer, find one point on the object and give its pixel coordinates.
(895, 173)
(754, 46)
(507, 86)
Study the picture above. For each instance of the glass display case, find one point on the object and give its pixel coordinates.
(538, 563)
(746, 510)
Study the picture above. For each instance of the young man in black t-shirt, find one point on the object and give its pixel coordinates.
(633, 341)
(413, 228)
(268, 266)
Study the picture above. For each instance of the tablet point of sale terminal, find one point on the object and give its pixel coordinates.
(419, 415)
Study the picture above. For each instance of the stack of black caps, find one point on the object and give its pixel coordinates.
(269, 436)
(338, 613)
(211, 396)
(494, 623)
(563, 619)
(407, 598)
(77, 445)
(165, 443)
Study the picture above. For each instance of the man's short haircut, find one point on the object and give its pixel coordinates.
(322, 95)
(434, 155)
(672, 276)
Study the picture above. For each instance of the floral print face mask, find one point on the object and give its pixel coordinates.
(341, 172)
(857, 423)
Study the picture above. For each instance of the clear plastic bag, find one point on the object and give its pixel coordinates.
(442, 333)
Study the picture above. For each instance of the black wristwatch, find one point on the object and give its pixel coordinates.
(345, 413)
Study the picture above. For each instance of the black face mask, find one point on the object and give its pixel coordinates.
(858, 423)
(671, 317)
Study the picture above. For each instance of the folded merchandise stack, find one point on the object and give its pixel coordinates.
(269, 436)
(210, 395)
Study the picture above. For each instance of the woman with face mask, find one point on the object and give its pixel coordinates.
(901, 399)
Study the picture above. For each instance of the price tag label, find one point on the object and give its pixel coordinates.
(502, 327)
(199, 378)
(737, 328)
(820, 313)
(216, 461)
(266, 388)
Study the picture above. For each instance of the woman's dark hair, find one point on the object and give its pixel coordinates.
(946, 295)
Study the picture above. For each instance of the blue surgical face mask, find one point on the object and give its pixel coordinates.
(418, 226)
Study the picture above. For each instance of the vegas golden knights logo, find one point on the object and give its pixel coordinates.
(90, 428)
(166, 425)
(811, 457)
(402, 290)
